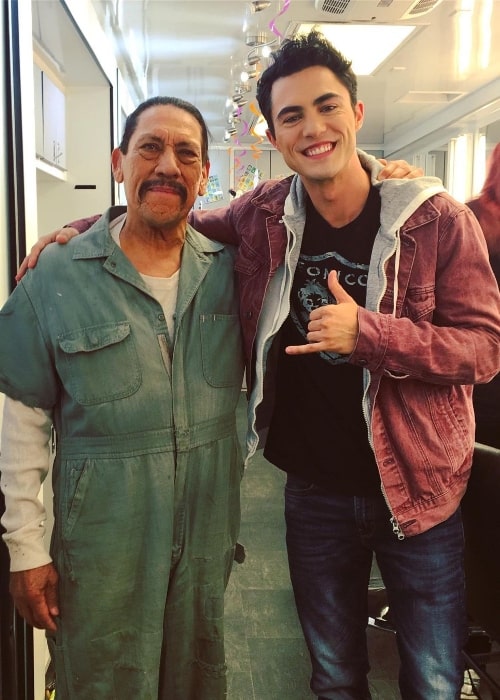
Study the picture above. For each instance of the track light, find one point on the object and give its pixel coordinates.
(256, 38)
(259, 5)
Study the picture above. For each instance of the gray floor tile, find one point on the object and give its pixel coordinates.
(280, 669)
(266, 654)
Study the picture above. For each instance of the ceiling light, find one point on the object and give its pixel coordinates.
(248, 74)
(253, 59)
(260, 127)
(259, 5)
(352, 40)
(256, 38)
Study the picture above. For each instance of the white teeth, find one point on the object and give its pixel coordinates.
(318, 150)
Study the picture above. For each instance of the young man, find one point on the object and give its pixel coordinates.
(128, 341)
(368, 311)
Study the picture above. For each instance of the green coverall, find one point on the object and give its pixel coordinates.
(148, 466)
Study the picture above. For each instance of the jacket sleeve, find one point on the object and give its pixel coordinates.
(82, 225)
(216, 224)
(24, 464)
(456, 339)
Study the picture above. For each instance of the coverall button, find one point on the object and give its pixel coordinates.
(161, 317)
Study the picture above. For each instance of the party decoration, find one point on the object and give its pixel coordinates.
(272, 23)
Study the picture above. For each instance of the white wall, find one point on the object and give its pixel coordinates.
(88, 162)
(4, 280)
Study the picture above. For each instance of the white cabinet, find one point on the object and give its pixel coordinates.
(54, 123)
(37, 82)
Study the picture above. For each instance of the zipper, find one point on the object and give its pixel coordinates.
(396, 528)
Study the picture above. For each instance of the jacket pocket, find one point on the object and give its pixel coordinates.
(100, 363)
(221, 349)
(419, 303)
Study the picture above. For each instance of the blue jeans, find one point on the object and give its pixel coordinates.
(330, 542)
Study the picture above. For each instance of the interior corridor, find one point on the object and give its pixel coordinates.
(266, 655)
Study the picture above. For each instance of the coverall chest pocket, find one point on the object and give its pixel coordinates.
(221, 349)
(99, 363)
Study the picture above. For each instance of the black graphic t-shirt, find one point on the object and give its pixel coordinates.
(318, 430)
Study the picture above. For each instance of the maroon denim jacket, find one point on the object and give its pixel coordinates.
(421, 353)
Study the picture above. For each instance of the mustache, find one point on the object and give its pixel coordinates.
(162, 182)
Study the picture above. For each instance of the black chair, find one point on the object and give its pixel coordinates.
(481, 519)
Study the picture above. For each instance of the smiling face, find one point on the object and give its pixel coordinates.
(163, 170)
(315, 124)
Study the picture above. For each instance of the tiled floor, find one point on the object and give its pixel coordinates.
(266, 654)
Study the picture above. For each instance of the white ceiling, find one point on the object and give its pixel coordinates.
(194, 49)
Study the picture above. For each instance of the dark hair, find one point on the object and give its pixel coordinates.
(132, 119)
(294, 55)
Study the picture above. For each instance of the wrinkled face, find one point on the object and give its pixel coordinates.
(315, 124)
(162, 171)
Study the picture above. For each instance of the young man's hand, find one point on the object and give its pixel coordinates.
(331, 328)
(62, 235)
(398, 169)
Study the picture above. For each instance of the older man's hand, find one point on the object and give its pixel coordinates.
(35, 595)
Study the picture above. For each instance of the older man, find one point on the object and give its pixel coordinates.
(127, 341)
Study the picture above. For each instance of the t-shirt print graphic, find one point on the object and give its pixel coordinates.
(310, 289)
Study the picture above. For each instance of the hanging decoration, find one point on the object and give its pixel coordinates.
(244, 75)
(272, 23)
(257, 152)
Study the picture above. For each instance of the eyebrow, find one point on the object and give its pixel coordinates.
(160, 140)
(297, 108)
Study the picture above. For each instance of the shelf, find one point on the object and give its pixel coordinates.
(48, 171)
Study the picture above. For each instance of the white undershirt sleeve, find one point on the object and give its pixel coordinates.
(24, 464)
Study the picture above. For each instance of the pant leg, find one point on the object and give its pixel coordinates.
(206, 528)
(330, 570)
(425, 583)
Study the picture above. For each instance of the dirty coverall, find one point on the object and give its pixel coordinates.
(148, 467)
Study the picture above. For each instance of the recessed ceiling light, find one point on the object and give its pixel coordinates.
(366, 45)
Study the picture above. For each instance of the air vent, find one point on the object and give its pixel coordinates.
(375, 10)
(335, 7)
(421, 7)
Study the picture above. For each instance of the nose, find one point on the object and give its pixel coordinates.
(313, 124)
(167, 163)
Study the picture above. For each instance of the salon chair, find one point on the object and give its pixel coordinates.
(481, 519)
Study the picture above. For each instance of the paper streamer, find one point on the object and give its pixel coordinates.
(255, 146)
(272, 23)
